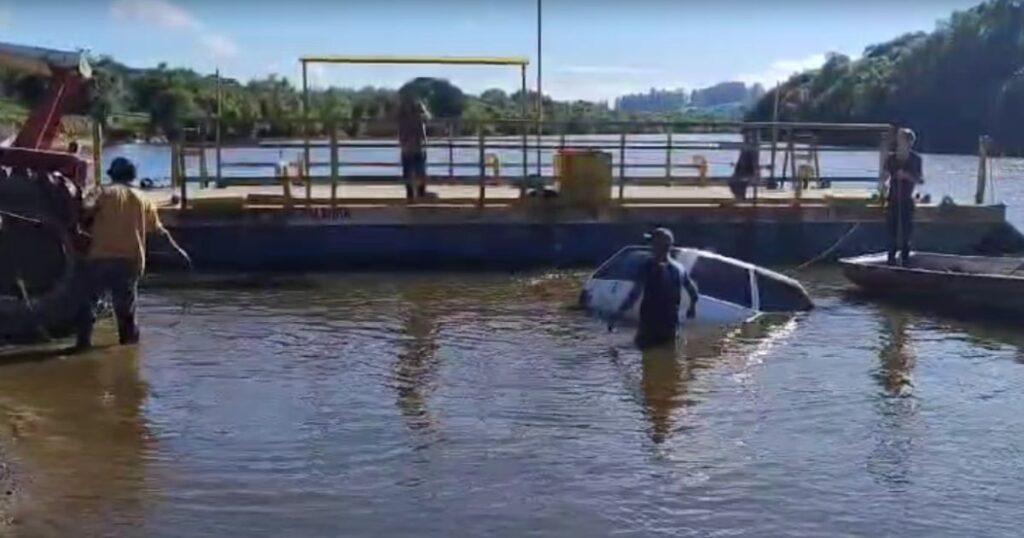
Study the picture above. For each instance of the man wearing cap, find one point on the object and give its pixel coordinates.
(121, 220)
(660, 280)
(904, 172)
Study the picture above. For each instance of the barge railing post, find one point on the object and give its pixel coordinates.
(334, 164)
(218, 136)
(979, 194)
(622, 165)
(305, 135)
(668, 155)
(525, 129)
(482, 156)
(883, 155)
(451, 151)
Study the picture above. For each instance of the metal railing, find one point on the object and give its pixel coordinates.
(501, 152)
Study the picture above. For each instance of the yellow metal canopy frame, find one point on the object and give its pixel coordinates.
(510, 61)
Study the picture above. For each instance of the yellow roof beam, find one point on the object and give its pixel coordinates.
(423, 60)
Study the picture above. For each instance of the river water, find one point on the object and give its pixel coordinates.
(435, 405)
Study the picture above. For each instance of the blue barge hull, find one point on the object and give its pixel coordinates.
(489, 238)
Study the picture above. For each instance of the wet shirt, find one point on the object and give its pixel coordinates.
(659, 309)
(122, 221)
(899, 189)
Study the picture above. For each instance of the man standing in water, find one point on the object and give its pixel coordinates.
(660, 280)
(122, 218)
(904, 172)
(412, 137)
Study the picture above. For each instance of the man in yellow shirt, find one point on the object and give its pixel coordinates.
(122, 220)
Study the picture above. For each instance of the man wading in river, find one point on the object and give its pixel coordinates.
(660, 280)
(903, 169)
(122, 218)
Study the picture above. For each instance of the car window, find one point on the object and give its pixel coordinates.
(780, 296)
(624, 266)
(723, 281)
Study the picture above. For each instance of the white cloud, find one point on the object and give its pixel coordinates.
(169, 16)
(781, 70)
(219, 46)
(606, 70)
(156, 12)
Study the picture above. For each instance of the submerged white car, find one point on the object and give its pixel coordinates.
(731, 291)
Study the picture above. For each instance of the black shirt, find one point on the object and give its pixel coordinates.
(899, 189)
(747, 164)
(659, 308)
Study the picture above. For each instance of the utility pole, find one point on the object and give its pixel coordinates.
(540, 89)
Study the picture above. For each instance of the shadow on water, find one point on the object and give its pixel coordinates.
(417, 363)
(74, 440)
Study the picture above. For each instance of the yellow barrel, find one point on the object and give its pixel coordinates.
(584, 177)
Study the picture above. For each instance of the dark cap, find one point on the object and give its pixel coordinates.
(121, 169)
(660, 232)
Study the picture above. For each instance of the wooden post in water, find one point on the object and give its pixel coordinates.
(482, 156)
(178, 171)
(97, 153)
(204, 171)
(979, 194)
(622, 165)
(775, 127)
(334, 164)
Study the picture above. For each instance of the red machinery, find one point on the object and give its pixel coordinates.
(41, 202)
(69, 74)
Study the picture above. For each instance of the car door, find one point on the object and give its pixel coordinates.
(725, 289)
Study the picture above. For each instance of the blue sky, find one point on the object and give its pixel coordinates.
(593, 49)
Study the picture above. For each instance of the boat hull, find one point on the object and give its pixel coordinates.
(942, 286)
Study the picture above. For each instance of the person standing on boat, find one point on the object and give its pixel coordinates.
(121, 220)
(412, 137)
(903, 170)
(660, 280)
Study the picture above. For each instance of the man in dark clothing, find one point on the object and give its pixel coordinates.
(747, 170)
(904, 172)
(660, 280)
(412, 137)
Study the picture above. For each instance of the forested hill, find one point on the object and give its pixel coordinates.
(964, 79)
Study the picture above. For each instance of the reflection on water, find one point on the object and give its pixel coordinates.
(443, 405)
(896, 357)
(890, 460)
(417, 362)
(664, 379)
(77, 442)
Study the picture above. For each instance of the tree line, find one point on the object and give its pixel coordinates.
(179, 102)
(962, 80)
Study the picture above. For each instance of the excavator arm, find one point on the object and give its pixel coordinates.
(69, 74)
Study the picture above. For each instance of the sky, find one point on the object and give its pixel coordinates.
(592, 49)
